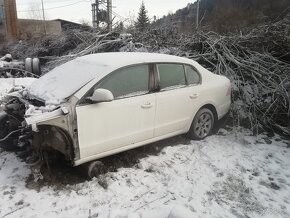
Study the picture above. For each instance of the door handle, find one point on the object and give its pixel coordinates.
(194, 96)
(147, 105)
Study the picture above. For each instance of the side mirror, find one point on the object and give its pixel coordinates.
(102, 95)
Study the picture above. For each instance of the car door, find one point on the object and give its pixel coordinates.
(177, 99)
(125, 121)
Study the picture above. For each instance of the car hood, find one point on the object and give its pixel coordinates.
(63, 81)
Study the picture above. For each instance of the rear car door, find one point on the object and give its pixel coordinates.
(127, 120)
(177, 99)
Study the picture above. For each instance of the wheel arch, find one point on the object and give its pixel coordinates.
(208, 106)
(212, 108)
(56, 138)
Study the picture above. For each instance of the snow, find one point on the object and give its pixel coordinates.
(230, 174)
(34, 111)
(64, 80)
(8, 83)
(8, 62)
(5, 88)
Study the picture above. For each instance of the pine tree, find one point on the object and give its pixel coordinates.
(143, 19)
(121, 27)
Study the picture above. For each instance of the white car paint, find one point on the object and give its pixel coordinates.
(169, 120)
(107, 128)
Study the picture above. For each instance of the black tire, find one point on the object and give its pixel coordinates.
(36, 66)
(202, 124)
(95, 168)
(28, 65)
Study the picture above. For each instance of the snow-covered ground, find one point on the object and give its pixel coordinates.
(231, 174)
(8, 83)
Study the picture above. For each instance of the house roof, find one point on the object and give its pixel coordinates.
(68, 22)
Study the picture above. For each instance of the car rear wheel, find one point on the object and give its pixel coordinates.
(202, 124)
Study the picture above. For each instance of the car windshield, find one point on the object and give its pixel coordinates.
(63, 81)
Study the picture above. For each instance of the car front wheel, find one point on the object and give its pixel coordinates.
(202, 124)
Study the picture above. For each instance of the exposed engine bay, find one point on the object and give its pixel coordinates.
(30, 127)
(12, 125)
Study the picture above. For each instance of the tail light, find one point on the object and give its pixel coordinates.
(229, 92)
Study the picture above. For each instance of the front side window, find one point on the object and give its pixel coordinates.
(193, 76)
(171, 75)
(127, 82)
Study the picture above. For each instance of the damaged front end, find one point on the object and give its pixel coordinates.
(28, 125)
(11, 123)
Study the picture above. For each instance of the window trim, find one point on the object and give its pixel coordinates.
(199, 74)
(151, 80)
(157, 75)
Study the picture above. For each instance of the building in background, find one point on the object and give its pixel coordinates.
(29, 28)
(8, 20)
(13, 28)
(68, 25)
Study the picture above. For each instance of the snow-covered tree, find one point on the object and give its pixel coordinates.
(143, 19)
(120, 27)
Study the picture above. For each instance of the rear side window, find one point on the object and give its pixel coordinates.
(192, 75)
(171, 75)
(127, 82)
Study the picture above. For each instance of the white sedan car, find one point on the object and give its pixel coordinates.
(103, 104)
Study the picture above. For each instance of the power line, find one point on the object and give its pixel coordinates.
(117, 15)
(54, 7)
(56, 1)
(102, 4)
(45, 1)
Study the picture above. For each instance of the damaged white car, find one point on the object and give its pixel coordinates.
(103, 104)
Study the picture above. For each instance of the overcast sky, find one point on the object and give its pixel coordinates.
(79, 10)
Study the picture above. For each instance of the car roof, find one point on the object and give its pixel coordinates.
(109, 62)
(115, 60)
(66, 79)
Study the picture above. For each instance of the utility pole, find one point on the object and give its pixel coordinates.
(197, 15)
(43, 17)
(100, 15)
(95, 11)
(109, 10)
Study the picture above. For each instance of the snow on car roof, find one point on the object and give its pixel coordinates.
(116, 60)
(65, 80)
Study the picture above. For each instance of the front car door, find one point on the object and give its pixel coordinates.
(177, 99)
(110, 127)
